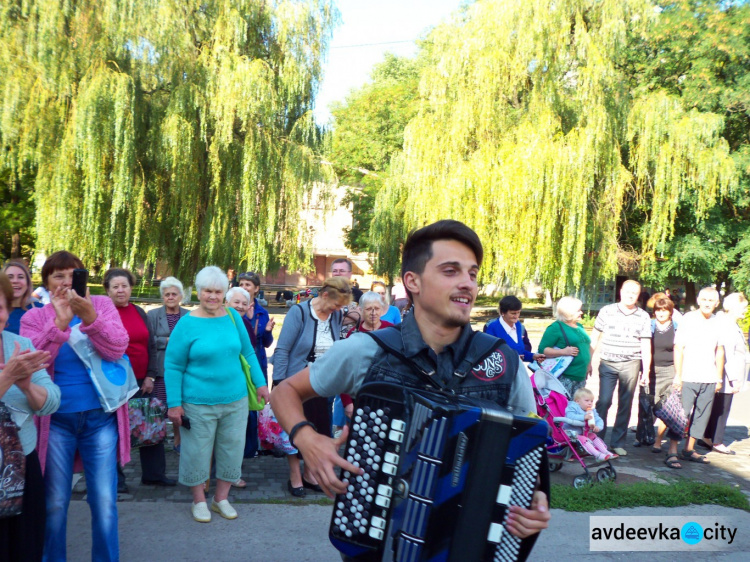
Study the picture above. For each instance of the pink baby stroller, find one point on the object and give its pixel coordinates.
(551, 401)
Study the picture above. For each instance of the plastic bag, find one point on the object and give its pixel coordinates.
(671, 412)
(148, 425)
(645, 433)
(272, 435)
(114, 381)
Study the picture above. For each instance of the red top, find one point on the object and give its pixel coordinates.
(137, 350)
(361, 328)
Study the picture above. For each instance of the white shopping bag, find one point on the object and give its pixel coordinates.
(114, 381)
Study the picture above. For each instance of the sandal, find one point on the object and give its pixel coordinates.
(689, 456)
(672, 461)
(239, 483)
(656, 449)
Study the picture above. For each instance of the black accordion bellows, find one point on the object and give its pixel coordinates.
(440, 471)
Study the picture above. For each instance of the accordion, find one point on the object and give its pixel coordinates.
(440, 471)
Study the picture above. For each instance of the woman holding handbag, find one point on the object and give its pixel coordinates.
(207, 393)
(663, 329)
(80, 432)
(142, 354)
(161, 322)
(309, 330)
(568, 337)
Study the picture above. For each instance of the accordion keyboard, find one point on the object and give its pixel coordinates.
(375, 445)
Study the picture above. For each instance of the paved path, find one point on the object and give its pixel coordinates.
(288, 533)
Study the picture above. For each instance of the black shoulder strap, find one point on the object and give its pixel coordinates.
(310, 354)
(389, 340)
(480, 346)
(565, 336)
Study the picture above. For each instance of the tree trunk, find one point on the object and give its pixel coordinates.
(15, 247)
(689, 295)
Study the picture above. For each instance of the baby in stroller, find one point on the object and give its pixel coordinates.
(585, 423)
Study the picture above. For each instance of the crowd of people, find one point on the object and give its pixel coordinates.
(191, 361)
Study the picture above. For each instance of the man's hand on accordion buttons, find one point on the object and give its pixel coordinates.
(526, 522)
(321, 456)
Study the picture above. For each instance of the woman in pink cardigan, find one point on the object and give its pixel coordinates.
(80, 425)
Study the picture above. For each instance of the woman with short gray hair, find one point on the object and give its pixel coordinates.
(567, 337)
(161, 322)
(207, 392)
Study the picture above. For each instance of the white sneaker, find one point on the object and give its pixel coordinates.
(201, 513)
(620, 452)
(223, 508)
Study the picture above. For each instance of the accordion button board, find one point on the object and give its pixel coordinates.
(438, 474)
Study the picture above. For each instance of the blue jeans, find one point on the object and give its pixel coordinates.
(94, 435)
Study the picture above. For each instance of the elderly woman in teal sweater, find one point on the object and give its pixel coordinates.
(207, 392)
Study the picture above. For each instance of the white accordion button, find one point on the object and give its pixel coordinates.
(376, 533)
(389, 468)
(396, 436)
(496, 531)
(503, 495)
(398, 425)
(384, 490)
(378, 522)
(382, 501)
(391, 458)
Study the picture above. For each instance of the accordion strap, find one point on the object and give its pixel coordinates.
(479, 347)
(389, 340)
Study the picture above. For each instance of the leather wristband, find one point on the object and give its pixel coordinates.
(296, 428)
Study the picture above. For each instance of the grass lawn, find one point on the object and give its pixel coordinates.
(609, 495)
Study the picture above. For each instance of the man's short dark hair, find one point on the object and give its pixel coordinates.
(343, 260)
(510, 304)
(418, 246)
(251, 276)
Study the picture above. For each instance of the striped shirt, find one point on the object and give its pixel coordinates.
(622, 331)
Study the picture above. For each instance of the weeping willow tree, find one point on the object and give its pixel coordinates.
(528, 132)
(172, 129)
